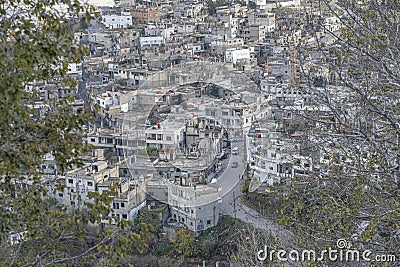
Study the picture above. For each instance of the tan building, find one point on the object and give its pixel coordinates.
(145, 15)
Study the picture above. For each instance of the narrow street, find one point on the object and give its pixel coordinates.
(231, 201)
(231, 176)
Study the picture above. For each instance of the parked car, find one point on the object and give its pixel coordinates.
(235, 150)
(234, 164)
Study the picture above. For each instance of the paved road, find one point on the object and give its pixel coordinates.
(231, 176)
(231, 203)
(231, 183)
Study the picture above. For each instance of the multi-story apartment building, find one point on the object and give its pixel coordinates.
(99, 177)
(219, 47)
(264, 19)
(128, 200)
(234, 55)
(276, 160)
(117, 20)
(144, 15)
(252, 33)
(188, 9)
(165, 135)
(196, 206)
(79, 182)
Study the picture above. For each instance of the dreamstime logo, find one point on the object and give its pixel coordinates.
(342, 253)
(181, 127)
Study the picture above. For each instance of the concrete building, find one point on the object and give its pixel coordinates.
(274, 159)
(252, 33)
(79, 182)
(151, 41)
(117, 21)
(262, 19)
(99, 177)
(194, 206)
(128, 200)
(219, 47)
(165, 137)
(143, 15)
(188, 9)
(234, 55)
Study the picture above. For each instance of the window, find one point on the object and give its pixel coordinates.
(169, 138)
(124, 216)
(208, 222)
(122, 205)
(70, 181)
(60, 194)
(89, 183)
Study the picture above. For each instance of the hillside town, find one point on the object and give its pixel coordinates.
(198, 104)
(189, 98)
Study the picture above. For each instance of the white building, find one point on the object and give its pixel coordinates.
(233, 55)
(186, 28)
(276, 160)
(332, 24)
(75, 69)
(108, 99)
(165, 136)
(152, 41)
(79, 182)
(194, 206)
(116, 21)
(99, 177)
